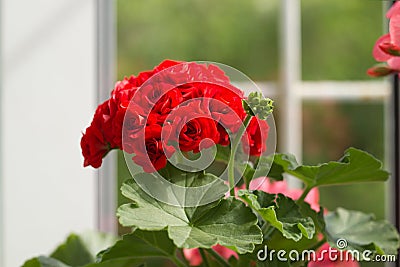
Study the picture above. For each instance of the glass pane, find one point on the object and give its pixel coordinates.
(242, 35)
(337, 38)
(329, 127)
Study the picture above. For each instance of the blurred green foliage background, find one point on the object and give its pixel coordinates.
(337, 35)
(337, 39)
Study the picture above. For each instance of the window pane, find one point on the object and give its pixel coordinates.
(337, 38)
(242, 35)
(329, 127)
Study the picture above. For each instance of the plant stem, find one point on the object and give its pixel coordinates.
(304, 195)
(178, 262)
(267, 230)
(218, 258)
(181, 257)
(320, 243)
(204, 256)
(235, 144)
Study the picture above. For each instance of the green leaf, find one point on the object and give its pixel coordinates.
(274, 263)
(317, 217)
(192, 188)
(223, 153)
(276, 170)
(279, 242)
(281, 212)
(73, 252)
(42, 261)
(120, 262)
(141, 244)
(355, 166)
(248, 174)
(264, 166)
(95, 241)
(243, 261)
(227, 222)
(361, 232)
(50, 262)
(82, 249)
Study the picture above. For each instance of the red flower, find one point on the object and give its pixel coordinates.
(96, 141)
(94, 147)
(223, 136)
(225, 105)
(105, 131)
(163, 107)
(257, 133)
(150, 94)
(193, 127)
(166, 64)
(151, 154)
(118, 103)
(194, 104)
(190, 91)
(132, 128)
(145, 75)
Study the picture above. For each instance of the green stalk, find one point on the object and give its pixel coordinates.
(218, 258)
(204, 256)
(181, 257)
(235, 144)
(267, 230)
(304, 194)
(178, 262)
(318, 245)
(176, 259)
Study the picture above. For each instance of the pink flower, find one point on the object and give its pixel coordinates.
(194, 257)
(387, 47)
(323, 259)
(276, 187)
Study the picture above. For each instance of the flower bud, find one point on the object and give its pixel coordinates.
(380, 71)
(390, 49)
(257, 104)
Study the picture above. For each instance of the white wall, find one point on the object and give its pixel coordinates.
(47, 98)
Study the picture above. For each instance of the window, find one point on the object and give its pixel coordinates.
(310, 55)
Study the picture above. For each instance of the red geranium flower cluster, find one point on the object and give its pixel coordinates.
(187, 105)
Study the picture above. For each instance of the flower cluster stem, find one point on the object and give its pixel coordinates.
(204, 256)
(178, 262)
(235, 144)
(319, 244)
(267, 230)
(304, 194)
(218, 258)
